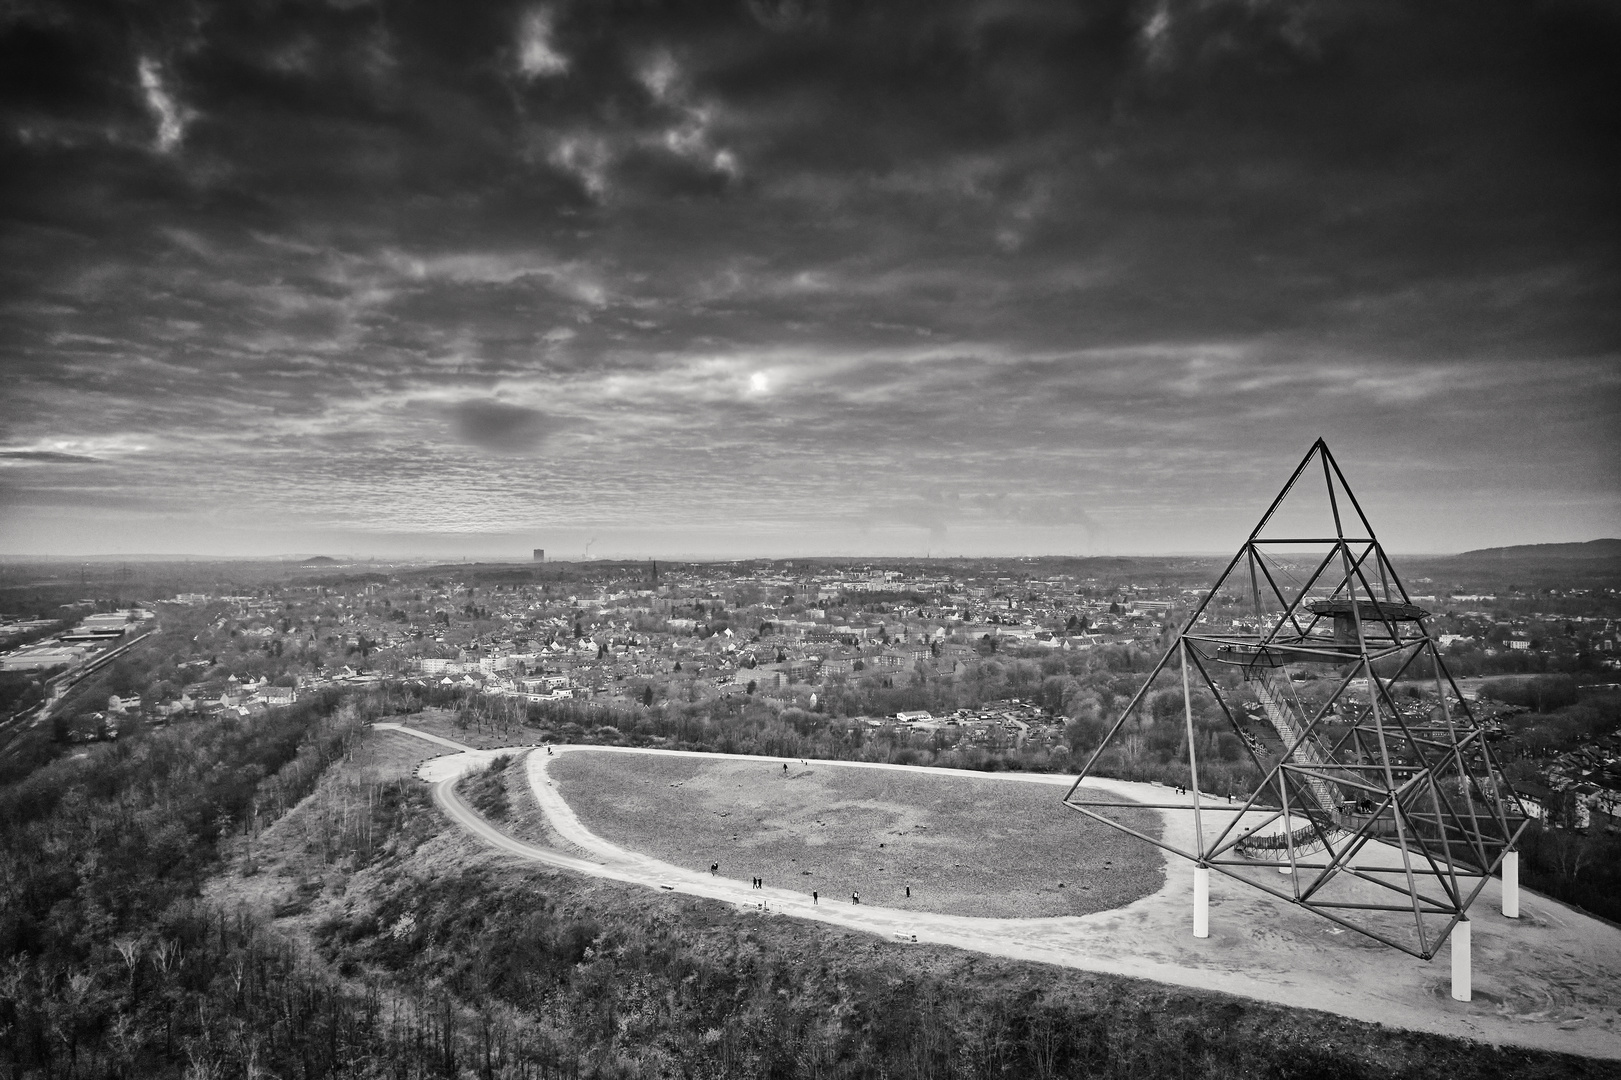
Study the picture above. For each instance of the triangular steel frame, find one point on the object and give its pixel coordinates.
(1348, 782)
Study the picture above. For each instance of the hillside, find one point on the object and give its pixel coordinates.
(1609, 548)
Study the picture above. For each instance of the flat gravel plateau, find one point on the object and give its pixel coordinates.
(973, 845)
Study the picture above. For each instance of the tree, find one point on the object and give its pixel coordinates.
(647, 695)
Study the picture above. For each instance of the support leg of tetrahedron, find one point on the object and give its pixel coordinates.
(1201, 901)
(1511, 885)
(1462, 988)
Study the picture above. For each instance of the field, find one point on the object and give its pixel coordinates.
(964, 845)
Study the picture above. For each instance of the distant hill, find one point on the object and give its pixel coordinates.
(319, 560)
(1591, 549)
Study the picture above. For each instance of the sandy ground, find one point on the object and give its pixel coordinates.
(1551, 979)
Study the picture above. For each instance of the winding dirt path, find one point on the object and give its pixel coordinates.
(1551, 979)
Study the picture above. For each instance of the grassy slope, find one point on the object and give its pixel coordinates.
(311, 852)
(486, 791)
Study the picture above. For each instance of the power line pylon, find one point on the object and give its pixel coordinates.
(1379, 805)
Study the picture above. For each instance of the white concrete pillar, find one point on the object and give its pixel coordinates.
(1459, 943)
(1511, 885)
(1201, 901)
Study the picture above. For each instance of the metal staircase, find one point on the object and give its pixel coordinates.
(1305, 752)
(1323, 802)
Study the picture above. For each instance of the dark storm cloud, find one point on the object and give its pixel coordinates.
(497, 426)
(1030, 265)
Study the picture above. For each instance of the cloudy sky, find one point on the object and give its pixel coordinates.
(796, 277)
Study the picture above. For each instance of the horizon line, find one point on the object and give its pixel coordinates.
(518, 560)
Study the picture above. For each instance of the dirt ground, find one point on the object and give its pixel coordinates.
(963, 845)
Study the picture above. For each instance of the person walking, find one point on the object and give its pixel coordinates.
(813, 896)
(855, 898)
(908, 892)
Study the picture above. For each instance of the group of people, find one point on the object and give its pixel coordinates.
(816, 896)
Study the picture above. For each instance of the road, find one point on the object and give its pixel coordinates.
(1550, 980)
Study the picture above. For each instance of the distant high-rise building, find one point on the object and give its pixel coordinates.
(540, 554)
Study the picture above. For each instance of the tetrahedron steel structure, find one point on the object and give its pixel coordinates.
(1379, 805)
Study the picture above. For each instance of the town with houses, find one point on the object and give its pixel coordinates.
(629, 634)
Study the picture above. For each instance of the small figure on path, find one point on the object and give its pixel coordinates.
(908, 892)
(813, 896)
(714, 866)
(785, 766)
(855, 898)
(548, 751)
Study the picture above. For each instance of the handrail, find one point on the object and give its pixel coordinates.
(1303, 841)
